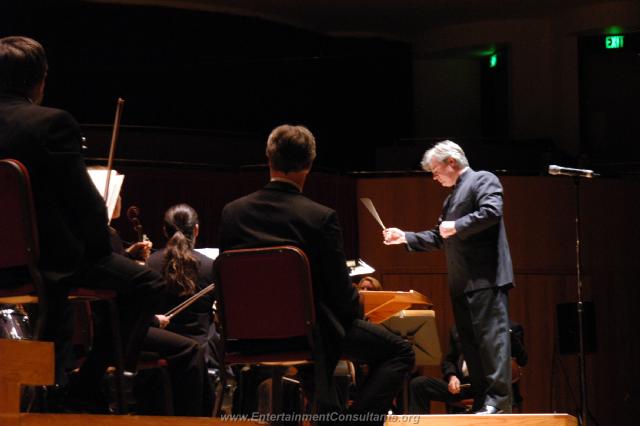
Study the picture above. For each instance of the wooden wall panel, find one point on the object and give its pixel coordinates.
(154, 189)
(539, 216)
(540, 219)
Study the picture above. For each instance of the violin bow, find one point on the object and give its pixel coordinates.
(112, 148)
(185, 304)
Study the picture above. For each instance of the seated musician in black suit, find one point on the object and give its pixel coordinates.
(455, 385)
(279, 214)
(71, 218)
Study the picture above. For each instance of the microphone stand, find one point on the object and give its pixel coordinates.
(580, 312)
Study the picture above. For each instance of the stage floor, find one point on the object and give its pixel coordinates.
(406, 420)
(483, 420)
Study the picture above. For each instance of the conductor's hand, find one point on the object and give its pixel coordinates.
(393, 236)
(140, 250)
(163, 321)
(447, 229)
(454, 385)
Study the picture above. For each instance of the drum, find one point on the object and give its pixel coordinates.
(14, 323)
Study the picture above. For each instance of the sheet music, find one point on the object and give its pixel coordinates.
(211, 253)
(359, 267)
(99, 178)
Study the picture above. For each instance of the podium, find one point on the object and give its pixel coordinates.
(381, 305)
(395, 311)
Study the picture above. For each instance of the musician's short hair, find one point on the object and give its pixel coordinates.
(291, 148)
(23, 64)
(441, 152)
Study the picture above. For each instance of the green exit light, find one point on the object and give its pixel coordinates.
(614, 42)
(493, 60)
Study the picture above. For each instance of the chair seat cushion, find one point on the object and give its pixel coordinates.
(14, 278)
(92, 293)
(265, 350)
(16, 286)
(284, 357)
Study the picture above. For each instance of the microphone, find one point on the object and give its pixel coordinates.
(567, 171)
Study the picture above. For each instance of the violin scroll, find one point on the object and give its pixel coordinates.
(133, 213)
(141, 249)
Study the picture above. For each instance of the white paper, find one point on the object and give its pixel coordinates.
(359, 268)
(211, 253)
(99, 178)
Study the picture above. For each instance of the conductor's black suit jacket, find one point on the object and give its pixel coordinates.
(71, 214)
(478, 255)
(279, 214)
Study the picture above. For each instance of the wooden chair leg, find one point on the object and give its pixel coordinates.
(118, 356)
(167, 391)
(405, 394)
(219, 392)
(277, 372)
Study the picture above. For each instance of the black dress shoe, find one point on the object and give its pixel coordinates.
(489, 409)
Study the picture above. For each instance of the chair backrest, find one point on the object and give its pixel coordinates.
(20, 278)
(266, 299)
(18, 232)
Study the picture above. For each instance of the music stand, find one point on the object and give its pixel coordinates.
(418, 327)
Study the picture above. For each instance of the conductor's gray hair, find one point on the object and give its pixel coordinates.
(441, 152)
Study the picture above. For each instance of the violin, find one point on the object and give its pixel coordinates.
(133, 215)
(141, 249)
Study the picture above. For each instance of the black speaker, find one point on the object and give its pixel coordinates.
(567, 314)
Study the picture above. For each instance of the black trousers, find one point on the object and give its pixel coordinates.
(390, 359)
(482, 320)
(140, 291)
(423, 390)
(186, 361)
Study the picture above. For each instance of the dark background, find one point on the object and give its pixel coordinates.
(231, 79)
(232, 74)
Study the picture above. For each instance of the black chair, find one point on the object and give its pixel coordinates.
(21, 280)
(266, 311)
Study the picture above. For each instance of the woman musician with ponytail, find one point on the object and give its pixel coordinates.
(187, 272)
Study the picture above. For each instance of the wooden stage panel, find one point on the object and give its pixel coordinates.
(400, 420)
(33, 419)
(484, 420)
(540, 221)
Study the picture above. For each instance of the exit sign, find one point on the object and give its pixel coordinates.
(614, 42)
(493, 60)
